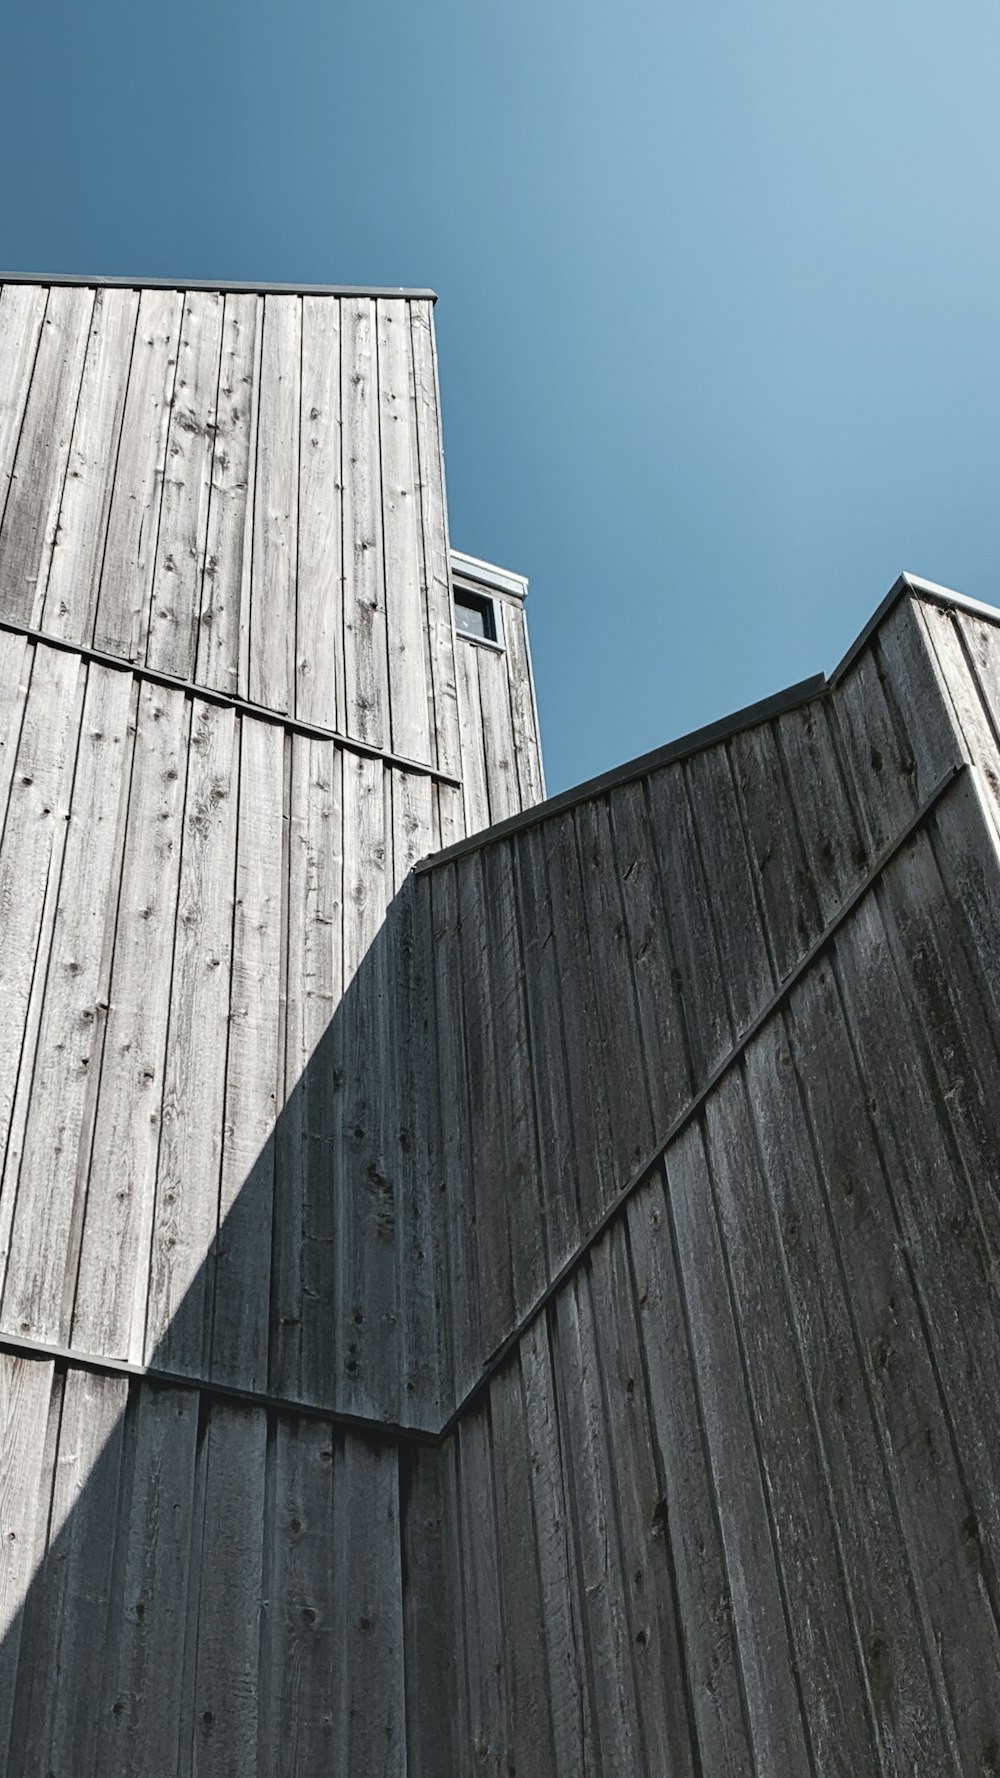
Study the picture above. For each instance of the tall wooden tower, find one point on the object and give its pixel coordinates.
(486, 1285)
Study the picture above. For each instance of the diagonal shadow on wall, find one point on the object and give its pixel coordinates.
(212, 1585)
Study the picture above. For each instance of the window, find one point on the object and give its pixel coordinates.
(474, 615)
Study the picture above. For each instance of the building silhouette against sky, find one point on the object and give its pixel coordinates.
(488, 1285)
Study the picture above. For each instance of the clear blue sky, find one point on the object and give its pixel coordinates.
(718, 318)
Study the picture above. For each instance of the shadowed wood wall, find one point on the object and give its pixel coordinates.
(534, 1312)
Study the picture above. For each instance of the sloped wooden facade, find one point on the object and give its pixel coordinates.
(488, 1286)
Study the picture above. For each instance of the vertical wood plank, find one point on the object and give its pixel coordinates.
(622, 1063)
(39, 471)
(276, 485)
(434, 518)
(698, 979)
(224, 626)
(458, 1290)
(66, 1062)
(475, 794)
(110, 1309)
(408, 941)
(365, 637)
(179, 568)
(484, 1632)
(747, 970)
(25, 1389)
(657, 1631)
(574, 1745)
(303, 1294)
(803, 1512)
(527, 1681)
(584, 1061)
(66, 1718)
(828, 821)
(523, 709)
(849, 1113)
(75, 566)
(487, 1136)
(227, 1679)
(550, 1081)
(513, 1087)
(243, 1243)
(320, 694)
(788, 893)
(498, 734)
(367, 1284)
(596, 1534)
(185, 1218)
(127, 573)
(39, 794)
(874, 1553)
(773, 1704)
(300, 1721)
(368, 1607)
(16, 659)
(659, 1011)
(409, 692)
(142, 1725)
(435, 1727)
(22, 312)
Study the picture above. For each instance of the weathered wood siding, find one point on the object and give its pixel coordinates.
(223, 557)
(210, 1140)
(729, 1504)
(501, 750)
(646, 1151)
(594, 969)
(243, 491)
(218, 1587)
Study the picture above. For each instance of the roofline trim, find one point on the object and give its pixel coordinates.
(781, 704)
(236, 286)
(499, 580)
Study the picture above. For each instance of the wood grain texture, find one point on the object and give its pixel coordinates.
(181, 542)
(122, 621)
(31, 514)
(276, 511)
(74, 568)
(406, 617)
(366, 657)
(186, 1210)
(22, 314)
(109, 1311)
(320, 686)
(54, 1157)
(223, 658)
(242, 1251)
(437, 578)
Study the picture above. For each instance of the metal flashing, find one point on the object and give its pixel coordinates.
(487, 574)
(234, 285)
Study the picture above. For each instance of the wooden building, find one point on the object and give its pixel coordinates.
(487, 1285)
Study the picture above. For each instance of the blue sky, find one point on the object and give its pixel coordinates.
(718, 312)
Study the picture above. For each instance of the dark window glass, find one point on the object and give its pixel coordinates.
(474, 615)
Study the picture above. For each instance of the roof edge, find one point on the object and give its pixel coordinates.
(907, 585)
(236, 286)
(488, 574)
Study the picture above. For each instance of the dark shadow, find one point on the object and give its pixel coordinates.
(197, 1538)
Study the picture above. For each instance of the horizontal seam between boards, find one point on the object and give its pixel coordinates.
(120, 1367)
(425, 1436)
(229, 701)
(691, 1110)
